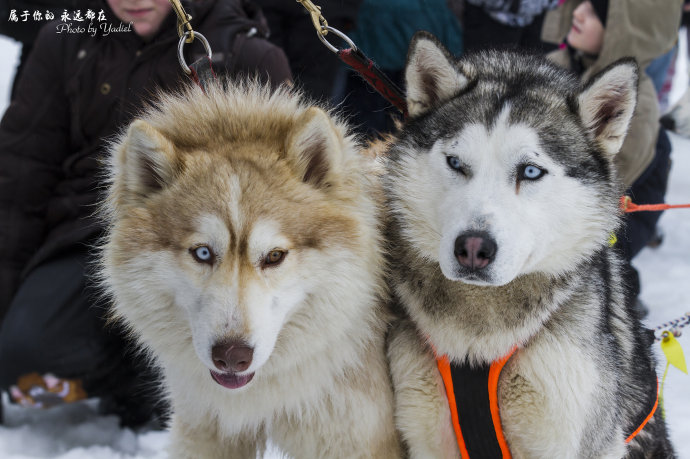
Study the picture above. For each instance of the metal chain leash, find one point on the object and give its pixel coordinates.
(672, 327)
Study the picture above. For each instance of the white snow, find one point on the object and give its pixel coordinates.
(73, 431)
(9, 58)
(78, 432)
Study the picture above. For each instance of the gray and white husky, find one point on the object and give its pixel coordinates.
(503, 197)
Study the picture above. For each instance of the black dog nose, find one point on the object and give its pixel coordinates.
(232, 356)
(475, 250)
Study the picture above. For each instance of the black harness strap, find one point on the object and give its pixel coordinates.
(473, 402)
(471, 388)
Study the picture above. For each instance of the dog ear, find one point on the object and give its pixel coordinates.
(314, 147)
(144, 162)
(607, 104)
(430, 74)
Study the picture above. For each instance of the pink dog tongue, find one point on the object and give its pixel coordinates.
(230, 380)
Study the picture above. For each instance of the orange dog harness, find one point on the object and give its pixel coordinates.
(478, 431)
(472, 395)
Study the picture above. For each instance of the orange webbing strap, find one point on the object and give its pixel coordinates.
(495, 369)
(627, 205)
(494, 374)
(444, 368)
(649, 416)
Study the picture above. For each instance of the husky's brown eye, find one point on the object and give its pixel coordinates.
(203, 254)
(273, 258)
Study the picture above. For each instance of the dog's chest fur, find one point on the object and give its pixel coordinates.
(481, 324)
(556, 324)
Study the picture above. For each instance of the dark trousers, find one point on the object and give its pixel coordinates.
(640, 227)
(56, 323)
(649, 188)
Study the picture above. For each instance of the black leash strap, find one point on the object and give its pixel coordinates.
(201, 72)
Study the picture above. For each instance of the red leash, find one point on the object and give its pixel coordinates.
(358, 61)
(627, 205)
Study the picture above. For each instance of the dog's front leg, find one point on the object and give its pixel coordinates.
(556, 401)
(421, 410)
(205, 441)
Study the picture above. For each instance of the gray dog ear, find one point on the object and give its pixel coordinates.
(430, 74)
(143, 162)
(607, 104)
(314, 147)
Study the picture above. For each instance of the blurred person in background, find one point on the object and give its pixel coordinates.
(662, 69)
(30, 16)
(677, 117)
(75, 91)
(506, 23)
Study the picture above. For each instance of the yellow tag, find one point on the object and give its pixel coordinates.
(673, 352)
(612, 239)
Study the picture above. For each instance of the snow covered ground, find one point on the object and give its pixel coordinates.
(77, 432)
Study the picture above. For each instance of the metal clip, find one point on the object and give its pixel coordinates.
(320, 23)
(180, 54)
(182, 21)
(338, 34)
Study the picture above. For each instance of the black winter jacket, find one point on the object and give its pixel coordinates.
(76, 92)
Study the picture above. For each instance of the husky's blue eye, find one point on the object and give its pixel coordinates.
(203, 254)
(530, 172)
(455, 164)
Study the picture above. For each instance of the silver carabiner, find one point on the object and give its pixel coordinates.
(180, 45)
(338, 34)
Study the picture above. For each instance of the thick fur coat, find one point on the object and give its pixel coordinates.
(245, 255)
(503, 196)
